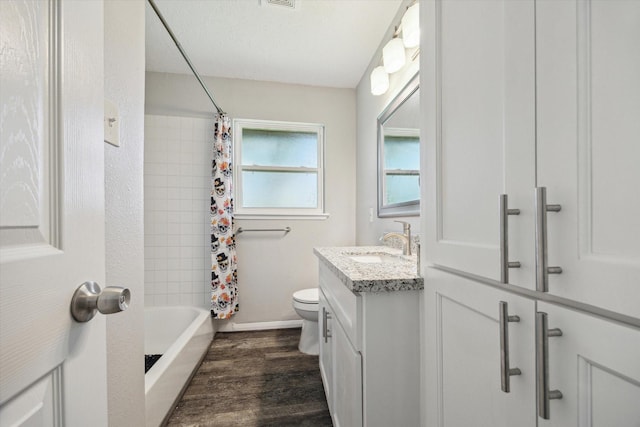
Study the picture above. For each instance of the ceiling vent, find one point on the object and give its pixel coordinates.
(288, 4)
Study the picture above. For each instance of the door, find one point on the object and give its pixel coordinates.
(52, 369)
(595, 364)
(463, 355)
(325, 324)
(588, 148)
(479, 130)
(347, 380)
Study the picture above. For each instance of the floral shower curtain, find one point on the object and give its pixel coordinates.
(224, 276)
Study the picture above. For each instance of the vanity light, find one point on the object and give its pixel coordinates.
(411, 27)
(379, 81)
(393, 55)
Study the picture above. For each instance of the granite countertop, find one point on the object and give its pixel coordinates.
(398, 273)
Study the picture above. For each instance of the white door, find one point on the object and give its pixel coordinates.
(52, 369)
(347, 381)
(479, 88)
(588, 148)
(325, 324)
(463, 355)
(595, 364)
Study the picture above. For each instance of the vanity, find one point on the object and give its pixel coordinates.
(369, 335)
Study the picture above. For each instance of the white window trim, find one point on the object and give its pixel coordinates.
(241, 212)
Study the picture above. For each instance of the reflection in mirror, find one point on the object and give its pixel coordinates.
(399, 154)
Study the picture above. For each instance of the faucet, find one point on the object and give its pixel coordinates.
(405, 237)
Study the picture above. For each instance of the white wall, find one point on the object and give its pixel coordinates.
(272, 266)
(124, 85)
(369, 108)
(177, 179)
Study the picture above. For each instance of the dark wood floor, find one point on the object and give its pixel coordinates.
(254, 379)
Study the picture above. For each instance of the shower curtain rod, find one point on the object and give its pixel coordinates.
(184, 55)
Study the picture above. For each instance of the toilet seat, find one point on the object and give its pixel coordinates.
(307, 296)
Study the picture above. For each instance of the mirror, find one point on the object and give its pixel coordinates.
(399, 154)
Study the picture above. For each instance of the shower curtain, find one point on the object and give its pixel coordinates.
(224, 276)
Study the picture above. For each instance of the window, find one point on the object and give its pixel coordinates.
(278, 168)
(401, 165)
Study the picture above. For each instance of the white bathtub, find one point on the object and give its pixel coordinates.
(182, 335)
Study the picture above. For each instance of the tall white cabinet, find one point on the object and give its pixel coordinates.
(588, 147)
(538, 101)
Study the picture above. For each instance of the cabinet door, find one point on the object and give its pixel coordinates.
(463, 355)
(477, 80)
(595, 364)
(347, 365)
(326, 344)
(588, 148)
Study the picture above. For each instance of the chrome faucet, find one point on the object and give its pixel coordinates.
(405, 237)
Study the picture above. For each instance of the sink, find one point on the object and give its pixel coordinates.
(374, 258)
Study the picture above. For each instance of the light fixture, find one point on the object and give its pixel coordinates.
(411, 27)
(379, 81)
(393, 55)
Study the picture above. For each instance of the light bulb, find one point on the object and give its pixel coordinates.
(411, 27)
(393, 55)
(379, 81)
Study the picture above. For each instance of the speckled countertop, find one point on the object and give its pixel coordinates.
(398, 275)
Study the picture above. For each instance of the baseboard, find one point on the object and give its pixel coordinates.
(259, 326)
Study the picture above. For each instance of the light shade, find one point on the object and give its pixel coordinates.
(411, 26)
(379, 81)
(393, 55)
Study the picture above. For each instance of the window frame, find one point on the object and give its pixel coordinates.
(398, 132)
(243, 212)
(408, 208)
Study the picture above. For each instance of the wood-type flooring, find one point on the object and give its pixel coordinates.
(254, 379)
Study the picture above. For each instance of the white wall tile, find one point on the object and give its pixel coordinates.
(177, 181)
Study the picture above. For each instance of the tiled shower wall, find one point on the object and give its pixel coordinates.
(177, 159)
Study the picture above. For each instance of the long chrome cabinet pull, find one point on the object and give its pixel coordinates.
(505, 370)
(326, 334)
(505, 264)
(542, 363)
(542, 268)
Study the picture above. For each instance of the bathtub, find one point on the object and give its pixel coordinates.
(182, 335)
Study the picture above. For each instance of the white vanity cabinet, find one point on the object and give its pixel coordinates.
(369, 354)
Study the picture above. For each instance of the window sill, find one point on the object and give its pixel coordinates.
(253, 216)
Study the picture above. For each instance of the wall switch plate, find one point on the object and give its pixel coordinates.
(111, 123)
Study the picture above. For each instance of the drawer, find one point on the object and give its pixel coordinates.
(346, 306)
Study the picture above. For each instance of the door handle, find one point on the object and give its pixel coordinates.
(326, 333)
(89, 299)
(542, 363)
(542, 268)
(505, 371)
(505, 264)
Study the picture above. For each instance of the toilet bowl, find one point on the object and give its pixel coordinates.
(305, 303)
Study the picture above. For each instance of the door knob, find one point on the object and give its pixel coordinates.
(89, 298)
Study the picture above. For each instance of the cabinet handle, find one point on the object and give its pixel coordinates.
(542, 364)
(505, 370)
(326, 333)
(505, 264)
(542, 268)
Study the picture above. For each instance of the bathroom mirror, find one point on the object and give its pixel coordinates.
(399, 154)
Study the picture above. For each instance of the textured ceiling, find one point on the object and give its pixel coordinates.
(321, 42)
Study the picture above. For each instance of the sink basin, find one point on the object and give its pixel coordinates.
(378, 258)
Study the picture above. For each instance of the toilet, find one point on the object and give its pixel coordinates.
(305, 303)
